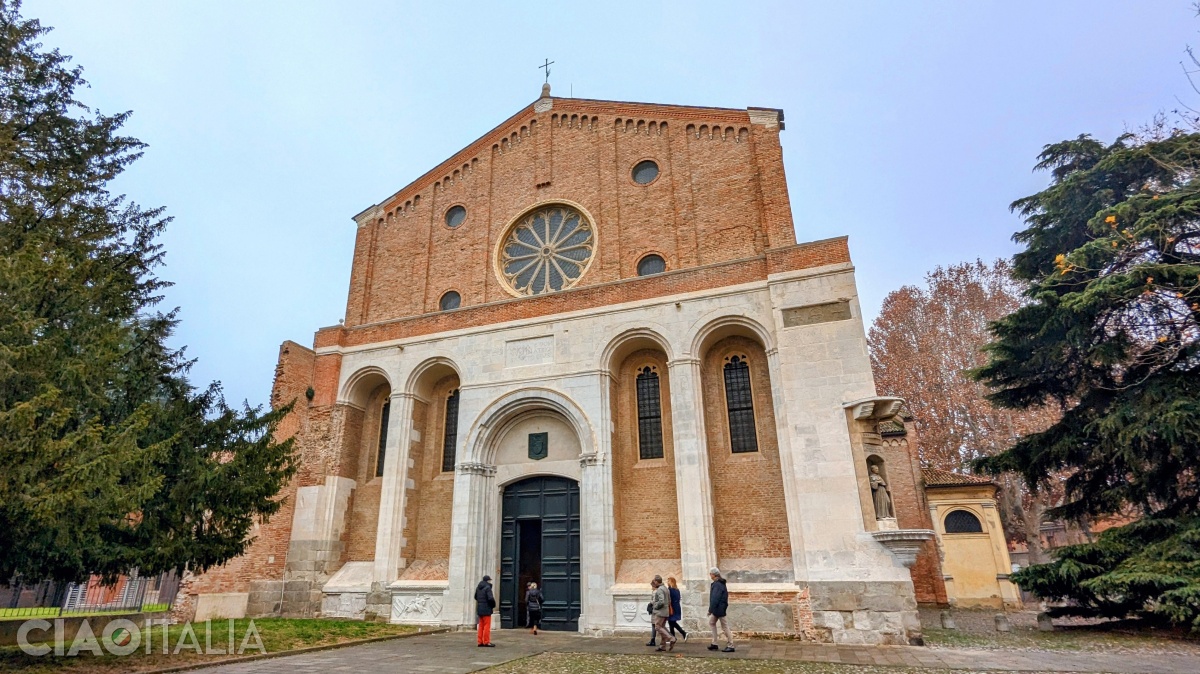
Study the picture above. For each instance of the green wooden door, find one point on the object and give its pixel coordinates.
(546, 508)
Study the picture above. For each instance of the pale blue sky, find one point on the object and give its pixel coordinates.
(910, 125)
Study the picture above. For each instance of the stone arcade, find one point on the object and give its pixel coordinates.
(585, 350)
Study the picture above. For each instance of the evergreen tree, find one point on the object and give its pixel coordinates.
(1111, 336)
(109, 459)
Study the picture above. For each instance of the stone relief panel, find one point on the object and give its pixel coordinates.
(344, 605)
(630, 611)
(422, 607)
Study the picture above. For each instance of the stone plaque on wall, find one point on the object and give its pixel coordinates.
(816, 313)
(539, 445)
(533, 351)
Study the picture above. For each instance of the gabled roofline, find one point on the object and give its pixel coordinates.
(577, 105)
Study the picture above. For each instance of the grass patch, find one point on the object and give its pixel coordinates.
(1081, 639)
(50, 613)
(577, 663)
(27, 613)
(277, 634)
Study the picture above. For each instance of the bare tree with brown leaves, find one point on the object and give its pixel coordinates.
(923, 343)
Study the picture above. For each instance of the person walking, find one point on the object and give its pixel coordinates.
(533, 607)
(718, 606)
(485, 603)
(676, 608)
(662, 610)
(653, 632)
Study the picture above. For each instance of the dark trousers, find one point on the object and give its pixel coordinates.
(533, 618)
(675, 626)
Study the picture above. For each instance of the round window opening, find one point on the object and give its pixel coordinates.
(455, 216)
(451, 300)
(651, 264)
(644, 172)
(547, 250)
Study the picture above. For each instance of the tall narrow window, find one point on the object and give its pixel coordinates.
(740, 404)
(383, 424)
(450, 435)
(649, 406)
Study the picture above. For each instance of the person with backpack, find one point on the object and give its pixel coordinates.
(485, 603)
(718, 607)
(533, 607)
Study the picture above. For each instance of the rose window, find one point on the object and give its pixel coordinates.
(547, 250)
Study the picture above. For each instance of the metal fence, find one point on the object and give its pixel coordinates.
(128, 594)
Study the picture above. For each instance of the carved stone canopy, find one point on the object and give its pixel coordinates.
(904, 544)
(874, 409)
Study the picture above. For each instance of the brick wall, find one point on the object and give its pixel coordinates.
(720, 195)
(430, 506)
(264, 559)
(749, 513)
(363, 513)
(644, 489)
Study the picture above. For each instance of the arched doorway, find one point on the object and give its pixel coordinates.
(539, 541)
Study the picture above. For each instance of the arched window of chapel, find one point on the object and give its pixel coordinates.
(383, 429)
(739, 404)
(450, 432)
(649, 409)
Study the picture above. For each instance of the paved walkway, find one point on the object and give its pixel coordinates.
(456, 653)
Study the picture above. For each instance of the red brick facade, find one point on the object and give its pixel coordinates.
(720, 195)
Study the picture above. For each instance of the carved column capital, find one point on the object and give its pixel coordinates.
(476, 468)
(591, 459)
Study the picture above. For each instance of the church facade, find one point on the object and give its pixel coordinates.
(586, 350)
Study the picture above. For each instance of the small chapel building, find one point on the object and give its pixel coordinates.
(585, 350)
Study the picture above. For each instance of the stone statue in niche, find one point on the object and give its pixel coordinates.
(880, 495)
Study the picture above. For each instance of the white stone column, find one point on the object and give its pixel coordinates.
(389, 537)
(474, 516)
(598, 553)
(697, 539)
(598, 558)
(788, 461)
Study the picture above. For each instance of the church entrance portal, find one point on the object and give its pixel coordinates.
(539, 542)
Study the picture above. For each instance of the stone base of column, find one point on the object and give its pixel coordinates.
(378, 606)
(266, 599)
(856, 612)
(310, 564)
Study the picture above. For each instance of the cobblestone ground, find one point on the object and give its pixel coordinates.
(456, 653)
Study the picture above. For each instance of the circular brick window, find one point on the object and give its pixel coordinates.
(651, 264)
(455, 216)
(451, 300)
(644, 172)
(547, 250)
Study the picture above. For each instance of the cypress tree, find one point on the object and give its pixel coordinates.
(110, 460)
(1111, 336)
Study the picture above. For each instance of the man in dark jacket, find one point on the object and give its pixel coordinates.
(485, 603)
(718, 606)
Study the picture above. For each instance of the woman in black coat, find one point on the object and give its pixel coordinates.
(533, 607)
